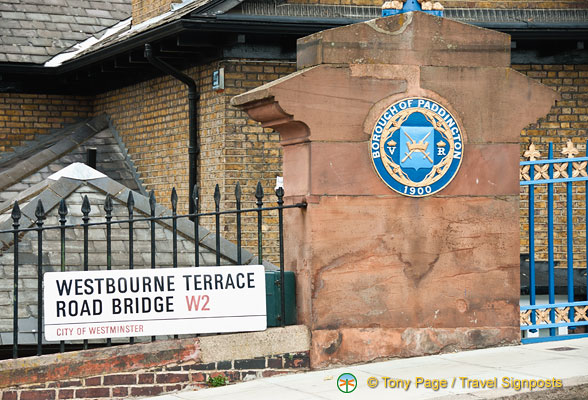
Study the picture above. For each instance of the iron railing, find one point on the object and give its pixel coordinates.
(131, 220)
(539, 317)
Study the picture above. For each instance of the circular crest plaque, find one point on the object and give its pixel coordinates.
(416, 147)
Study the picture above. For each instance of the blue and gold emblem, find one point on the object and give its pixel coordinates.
(416, 147)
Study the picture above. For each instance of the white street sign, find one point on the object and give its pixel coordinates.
(150, 302)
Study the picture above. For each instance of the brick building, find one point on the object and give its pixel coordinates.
(72, 59)
(66, 61)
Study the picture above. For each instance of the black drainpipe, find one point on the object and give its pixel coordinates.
(193, 96)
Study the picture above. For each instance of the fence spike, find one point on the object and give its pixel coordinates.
(259, 193)
(532, 153)
(130, 202)
(62, 209)
(280, 193)
(16, 214)
(108, 206)
(40, 211)
(570, 151)
(174, 200)
(238, 191)
(86, 206)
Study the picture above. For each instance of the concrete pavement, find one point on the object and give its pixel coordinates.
(477, 374)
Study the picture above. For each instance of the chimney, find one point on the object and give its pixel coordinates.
(146, 9)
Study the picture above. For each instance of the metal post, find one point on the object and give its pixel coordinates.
(40, 215)
(152, 204)
(62, 221)
(280, 194)
(174, 204)
(550, 241)
(238, 204)
(196, 200)
(130, 206)
(217, 222)
(108, 207)
(259, 203)
(16, 214)
(85, 219)
(532, 298)
(570, 243)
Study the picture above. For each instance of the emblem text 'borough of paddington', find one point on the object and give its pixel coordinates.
(416, 147)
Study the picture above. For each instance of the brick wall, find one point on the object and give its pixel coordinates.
(163, 366)
(22, 116)
(152, 119)
(252, 153)
(213, 130)
(160, 380)
(146, 9)
(235, 149)
(568, 120)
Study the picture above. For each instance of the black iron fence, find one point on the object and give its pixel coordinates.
(130, 220)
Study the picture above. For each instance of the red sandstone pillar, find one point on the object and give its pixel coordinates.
(381, 274)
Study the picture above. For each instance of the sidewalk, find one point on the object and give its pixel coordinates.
(566, 361)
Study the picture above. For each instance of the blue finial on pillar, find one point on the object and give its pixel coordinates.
(396, 7)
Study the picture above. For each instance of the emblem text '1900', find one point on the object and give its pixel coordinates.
(416, 147)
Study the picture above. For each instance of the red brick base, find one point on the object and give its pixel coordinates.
(155, 381)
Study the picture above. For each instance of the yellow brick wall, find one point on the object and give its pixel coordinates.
(568, 120)
(22, 116)
(146, 9)
(252, 153)
(152, 119)
(212, 128)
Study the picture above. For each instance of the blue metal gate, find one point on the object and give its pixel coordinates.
(557, 304)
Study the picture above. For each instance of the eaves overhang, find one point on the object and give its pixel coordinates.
(133, 42)
(218, 23)
(114, 66)
(220, 31)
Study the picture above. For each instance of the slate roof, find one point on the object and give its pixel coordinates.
(34, 161)
(32, 31)
(125, 31)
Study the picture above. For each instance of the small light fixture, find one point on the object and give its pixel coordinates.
(218, 80)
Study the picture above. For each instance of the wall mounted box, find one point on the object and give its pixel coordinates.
(273, 291)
